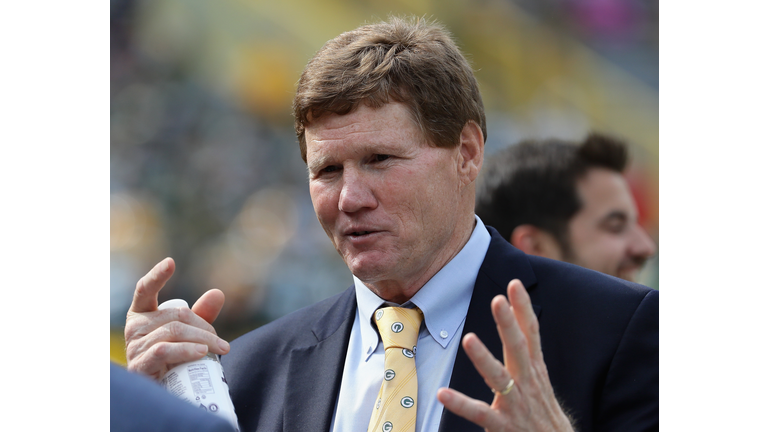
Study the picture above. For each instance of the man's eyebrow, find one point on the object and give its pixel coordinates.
(320, 161)
(317, 164)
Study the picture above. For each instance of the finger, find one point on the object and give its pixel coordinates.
(526, 317)
(145, 296)
(142, 324)
(516, 354)
(209, 305)
(174, 332)
(155, 362)
(491, 369)
(177, 331)
(476, 411)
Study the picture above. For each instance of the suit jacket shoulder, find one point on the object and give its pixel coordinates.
(138, 404)
(599, 337)
(606, 346)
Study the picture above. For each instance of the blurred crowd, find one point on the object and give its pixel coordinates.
(205, 166)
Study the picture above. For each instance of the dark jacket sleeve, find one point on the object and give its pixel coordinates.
(138, 404)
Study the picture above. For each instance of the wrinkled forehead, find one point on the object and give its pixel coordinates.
(391, 119)
(404, 109)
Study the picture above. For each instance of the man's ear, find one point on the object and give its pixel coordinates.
(471, 149)
(535, 241)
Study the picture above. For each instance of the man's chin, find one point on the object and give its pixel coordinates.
(367, 267)
(628, 274)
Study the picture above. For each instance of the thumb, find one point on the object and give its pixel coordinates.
(209, 305)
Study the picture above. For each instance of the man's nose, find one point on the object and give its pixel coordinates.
(356, 194)
(642, 245)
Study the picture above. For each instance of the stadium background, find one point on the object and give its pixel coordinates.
(204, 164)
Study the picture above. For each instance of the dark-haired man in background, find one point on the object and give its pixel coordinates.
(566, 201)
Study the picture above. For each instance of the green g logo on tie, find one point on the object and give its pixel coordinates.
(389, 374)
(397, 327)
(387, 427)
(406, 402)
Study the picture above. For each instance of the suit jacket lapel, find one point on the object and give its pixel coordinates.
(502, 264)
(314, 377)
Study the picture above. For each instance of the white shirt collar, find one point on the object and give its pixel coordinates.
(444, 299)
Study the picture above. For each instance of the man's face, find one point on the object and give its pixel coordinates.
(604, 234)
(386, 199)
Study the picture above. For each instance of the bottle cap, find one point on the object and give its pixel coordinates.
(173, 303)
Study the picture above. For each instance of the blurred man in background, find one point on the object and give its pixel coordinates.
(567, 201)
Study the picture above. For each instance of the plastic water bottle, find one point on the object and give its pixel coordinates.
(200, 382)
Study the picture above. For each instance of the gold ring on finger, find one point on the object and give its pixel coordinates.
(507, 389)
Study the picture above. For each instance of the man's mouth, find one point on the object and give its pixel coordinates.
(632, 264)
(360, 233)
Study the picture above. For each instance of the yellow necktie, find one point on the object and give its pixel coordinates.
(395, 409)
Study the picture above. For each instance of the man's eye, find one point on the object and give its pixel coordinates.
(380, 157)
(329, 169)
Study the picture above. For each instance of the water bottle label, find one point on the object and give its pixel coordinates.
(202, 383)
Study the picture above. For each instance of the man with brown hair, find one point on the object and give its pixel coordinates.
(566, 201)
(391, 126)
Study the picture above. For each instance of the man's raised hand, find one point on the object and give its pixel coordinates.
(156, 340)
(530, 403)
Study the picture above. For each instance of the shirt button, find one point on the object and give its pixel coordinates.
(443, 334)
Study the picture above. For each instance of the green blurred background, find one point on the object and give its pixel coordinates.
(204, 161)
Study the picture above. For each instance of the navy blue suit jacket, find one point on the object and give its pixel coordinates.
(599, 335)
